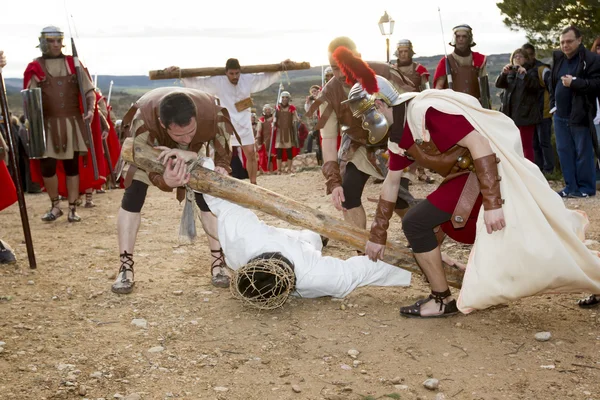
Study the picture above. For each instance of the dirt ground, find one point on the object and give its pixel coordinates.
(67, 336)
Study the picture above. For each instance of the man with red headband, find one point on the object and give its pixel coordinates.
(473, 149)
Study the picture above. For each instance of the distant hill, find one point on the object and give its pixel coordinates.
(127, 89)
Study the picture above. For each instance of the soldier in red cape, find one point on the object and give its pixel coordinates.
(468, 68)
(55, 74)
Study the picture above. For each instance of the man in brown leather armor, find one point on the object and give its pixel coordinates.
(182, 122)
(360, 157)
(55, 74)
(286, 132)
(468, 68)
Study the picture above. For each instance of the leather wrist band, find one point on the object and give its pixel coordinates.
(486, 169)
(383, 214)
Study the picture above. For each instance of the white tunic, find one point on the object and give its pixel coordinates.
(229, 94)
(243, 236)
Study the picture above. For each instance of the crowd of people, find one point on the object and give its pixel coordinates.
(369, 119)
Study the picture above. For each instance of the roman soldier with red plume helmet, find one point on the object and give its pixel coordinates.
(360, 154)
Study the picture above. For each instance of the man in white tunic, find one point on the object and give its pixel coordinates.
(234, 90)
(243, 237)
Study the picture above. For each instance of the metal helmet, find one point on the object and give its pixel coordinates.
(49, 32)
(285, 93)
(267, 107)
(462, 27)
(362, 105)
(404, 44)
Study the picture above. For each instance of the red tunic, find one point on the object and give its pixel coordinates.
(446, 130)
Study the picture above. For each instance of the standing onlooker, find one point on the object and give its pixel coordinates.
(521, 85)
(575, 85)
(596, 49)
(542, 139)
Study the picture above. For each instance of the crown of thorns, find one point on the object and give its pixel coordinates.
(264, 283)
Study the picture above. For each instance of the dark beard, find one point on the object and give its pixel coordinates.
(49, 57)
(404, 63)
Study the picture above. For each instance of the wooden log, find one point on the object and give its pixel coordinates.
(214, 71)
(298, 214)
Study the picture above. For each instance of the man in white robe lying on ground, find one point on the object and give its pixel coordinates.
(244, 237)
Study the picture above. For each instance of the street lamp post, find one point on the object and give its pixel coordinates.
(386, 26)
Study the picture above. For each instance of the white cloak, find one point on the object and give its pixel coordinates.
(541, 249)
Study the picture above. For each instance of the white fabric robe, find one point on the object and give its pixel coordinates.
(229, 94)
(541, 249)
(243, 236)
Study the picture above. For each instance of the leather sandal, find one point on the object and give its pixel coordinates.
(50, 216)
(414, 311)
(88, 201)
(124, 285)
(221, 280)
(589, 302)
(73, 217)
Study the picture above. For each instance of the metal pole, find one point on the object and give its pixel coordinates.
(387, 47)
(13, 161)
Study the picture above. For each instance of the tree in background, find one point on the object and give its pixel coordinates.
(542, 20)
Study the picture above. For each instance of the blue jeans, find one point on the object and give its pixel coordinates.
(542, 146)
(576, 155)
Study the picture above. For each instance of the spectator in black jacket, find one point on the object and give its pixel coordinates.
(574, 86)
(542, 139)
(520, 100)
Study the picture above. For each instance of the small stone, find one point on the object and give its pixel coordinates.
(362, 314)
(458, 325)
(96, 375)
(431, 384)
(346, 367)
(353, 353)
(133, 396)
(401, 387)
(30, 282)
(111, 275)
(356, 363)
(363, 371)
(396, 381)
(440, 396)
(551, 366)
(177, 292)
(296, 389)
(140, 323)
(543, 336)
(118, 396)
(342, 307)
(82, 390)
(156, 349)
(220, 389)
(62, 366)
(2, 343)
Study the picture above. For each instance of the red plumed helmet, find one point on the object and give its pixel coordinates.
(355, 69)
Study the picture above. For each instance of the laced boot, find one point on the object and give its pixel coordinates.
(54, 211)
(124, 282)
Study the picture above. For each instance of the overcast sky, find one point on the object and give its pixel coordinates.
(120, 38)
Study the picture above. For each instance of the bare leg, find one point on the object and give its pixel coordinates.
(128, 225)
(431, 264)
(356, 216)
(220, 275)
(73, 195)
(279, 171)
(51, 185)
(251, 163)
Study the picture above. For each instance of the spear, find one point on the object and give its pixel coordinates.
(448, 70)
(15, 167)
(88, 129)
(109, 93)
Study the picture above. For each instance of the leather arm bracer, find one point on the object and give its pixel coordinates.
(158, 181)
(383, 214)
(486, 169)
(331, 171)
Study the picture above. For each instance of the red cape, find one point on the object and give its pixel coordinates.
(440, 71)
(7, 187)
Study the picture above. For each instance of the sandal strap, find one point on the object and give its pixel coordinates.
(219, 259)
(439, 297)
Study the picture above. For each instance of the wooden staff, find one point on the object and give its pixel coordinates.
(214, 71)
(13, 161)
(298, 214)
